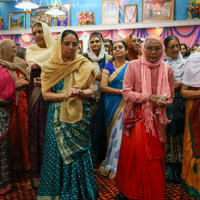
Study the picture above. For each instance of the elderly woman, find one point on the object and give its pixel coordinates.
(99, 58)
(67, 171)
(190, 90)
(112, 83)
(36, 55)
(148, 88)
(133, 43)
(18, 124)
(176, 112)
(7, 96)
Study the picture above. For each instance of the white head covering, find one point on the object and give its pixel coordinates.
(192, 70)
(177, 65)
(95, 60)
(37, 55)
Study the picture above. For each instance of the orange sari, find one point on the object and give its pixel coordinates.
(141, 165)
(18, 127)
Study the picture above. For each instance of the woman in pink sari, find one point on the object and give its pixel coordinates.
(148, 88)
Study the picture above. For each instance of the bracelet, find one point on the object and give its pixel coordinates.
(119, 91)
(81, 93)
(54, 97)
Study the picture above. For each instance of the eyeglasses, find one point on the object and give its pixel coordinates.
(74, 44)
(14, 47)
(156, 49)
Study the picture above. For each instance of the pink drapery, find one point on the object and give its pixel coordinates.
(25, 39)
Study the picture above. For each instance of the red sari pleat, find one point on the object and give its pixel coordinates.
(140, 176)
(18, 127)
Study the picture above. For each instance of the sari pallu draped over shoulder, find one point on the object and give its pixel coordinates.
(114, 104)
(74, 72)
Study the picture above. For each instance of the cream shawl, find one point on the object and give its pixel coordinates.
(37, 55)
(74, 72)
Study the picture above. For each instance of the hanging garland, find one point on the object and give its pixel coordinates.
(119, 35)
(138, 32)
(187, 34)
(167, 32)
(146, 32)
(133, 32)
(171, 30)
(197, 36)
(112, 36)
(26, 41)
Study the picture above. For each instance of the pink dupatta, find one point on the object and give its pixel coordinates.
(163, 87)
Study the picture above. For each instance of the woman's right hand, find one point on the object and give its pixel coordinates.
(99, 75)
(21, 82)
(160, 100)
(37, 82)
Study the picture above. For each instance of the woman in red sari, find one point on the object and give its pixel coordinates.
(148, 88)
(18, 124)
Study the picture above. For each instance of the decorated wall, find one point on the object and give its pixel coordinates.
(90, 5)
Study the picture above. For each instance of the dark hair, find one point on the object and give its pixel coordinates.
(168, 39)
(36, 24)
(196, 45)
(96, 33)
(106, 46)
(67, 32)
(110, 41)
(187, 53)
(125, 46)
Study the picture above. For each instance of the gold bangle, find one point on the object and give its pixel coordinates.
(54, 97)
(118, 91)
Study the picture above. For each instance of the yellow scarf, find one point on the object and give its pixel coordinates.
(74, 72)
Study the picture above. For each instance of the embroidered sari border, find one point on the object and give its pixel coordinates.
(115, 117)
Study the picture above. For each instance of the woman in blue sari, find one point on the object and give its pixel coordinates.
(112, 84)
(67, 170)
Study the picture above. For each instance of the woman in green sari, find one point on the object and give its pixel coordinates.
(67, 170)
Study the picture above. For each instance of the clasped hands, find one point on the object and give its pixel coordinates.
(73, 92)
(160, 100)
(21, 82)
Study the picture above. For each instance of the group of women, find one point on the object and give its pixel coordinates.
(73, 111)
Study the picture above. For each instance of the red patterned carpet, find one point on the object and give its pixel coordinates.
(107, 189)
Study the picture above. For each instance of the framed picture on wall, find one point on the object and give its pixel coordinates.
(38, 15)
(110, 12)
(64, 20)
(157, 10)
(16, 20)
(130, 13)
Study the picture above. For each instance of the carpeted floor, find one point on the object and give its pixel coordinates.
(107, 189)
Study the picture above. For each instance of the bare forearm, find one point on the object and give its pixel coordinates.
(5, 101)
(190, 94)
(87, 93)
(111, 90)
(50, 96)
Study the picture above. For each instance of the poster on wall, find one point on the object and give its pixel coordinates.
(38, 15)
(16, 20)
(64, 20)
(157, 10)
(110, 12)
(130, 13)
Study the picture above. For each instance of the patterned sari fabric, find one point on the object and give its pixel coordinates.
(174, 144)
(7, 91)
(67, 171)
(191, 153)
(175, 129)
(36, 130)
(114, 105)
(18, 127)
(5, 153)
